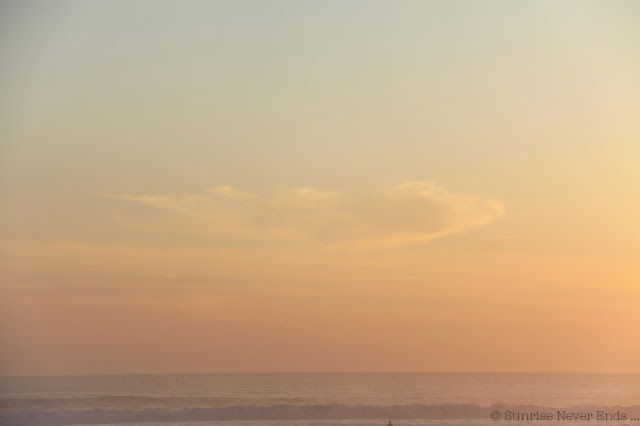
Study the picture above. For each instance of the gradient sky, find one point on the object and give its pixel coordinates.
(319, 186)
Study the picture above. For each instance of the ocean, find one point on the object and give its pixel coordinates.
(322, 399)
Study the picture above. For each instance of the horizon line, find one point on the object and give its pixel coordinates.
(317, 372)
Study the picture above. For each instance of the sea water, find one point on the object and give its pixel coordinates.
(323, 399)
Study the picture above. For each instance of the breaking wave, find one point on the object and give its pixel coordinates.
(22, 412)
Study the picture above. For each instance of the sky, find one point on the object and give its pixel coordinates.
(245, 186)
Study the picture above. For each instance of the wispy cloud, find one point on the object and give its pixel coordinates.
(404, 214)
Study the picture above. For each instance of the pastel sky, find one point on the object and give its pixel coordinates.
(223, 186)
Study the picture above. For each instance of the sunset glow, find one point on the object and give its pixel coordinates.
(245, 186)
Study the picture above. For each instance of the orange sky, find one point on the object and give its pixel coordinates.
(370, 186)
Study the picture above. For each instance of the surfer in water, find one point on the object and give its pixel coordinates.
(389, 424)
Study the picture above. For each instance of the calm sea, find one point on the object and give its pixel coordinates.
(322, 399)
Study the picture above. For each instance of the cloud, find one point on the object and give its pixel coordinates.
(405, 214)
